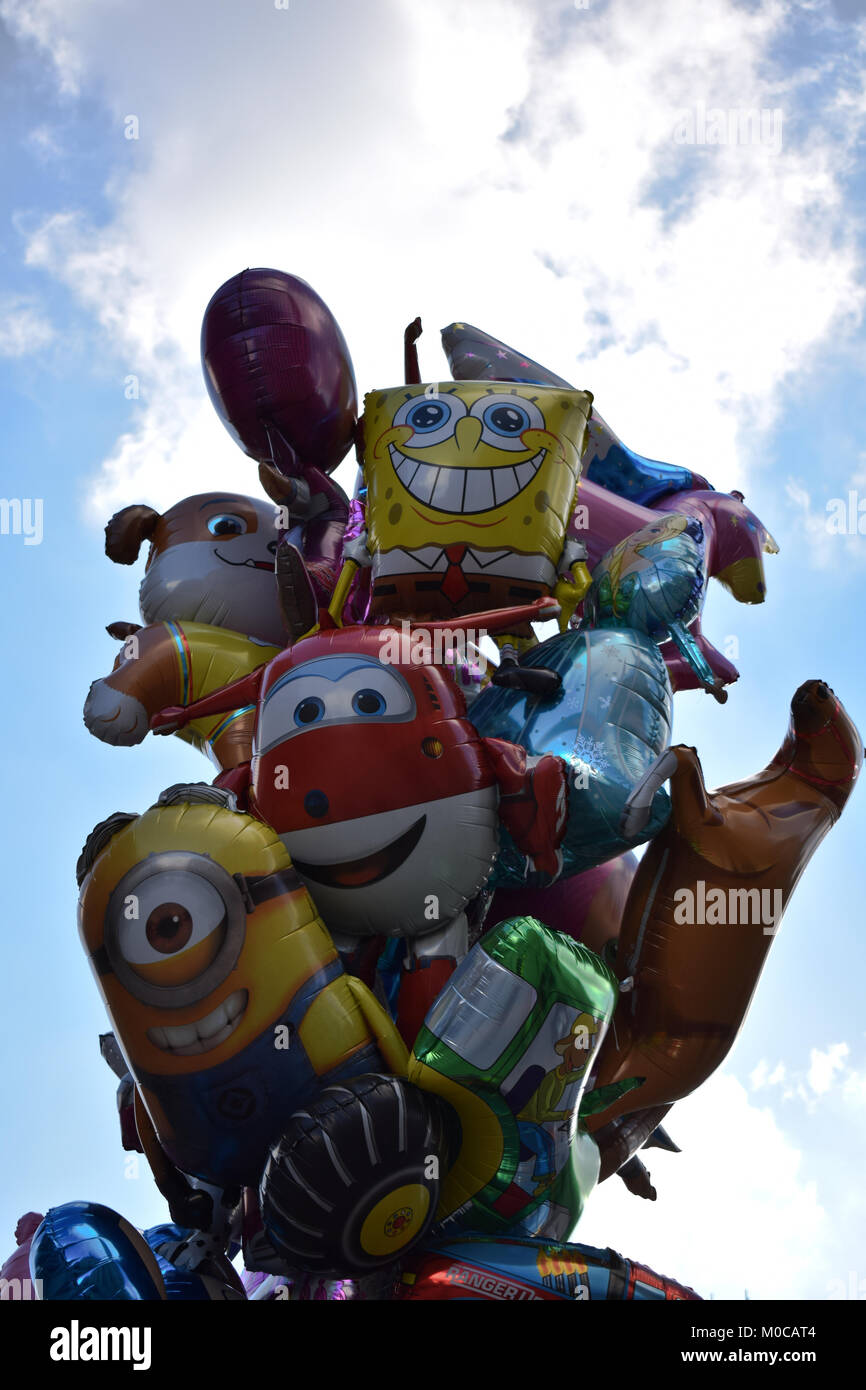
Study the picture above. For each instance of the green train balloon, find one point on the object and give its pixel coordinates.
(509, 1044)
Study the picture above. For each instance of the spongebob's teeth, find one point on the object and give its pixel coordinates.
(189, 1039)
(406, 469)
(448, 492)
(525, 472)
(479, 496)
(424, 482)
(505, 485)
(462, 490)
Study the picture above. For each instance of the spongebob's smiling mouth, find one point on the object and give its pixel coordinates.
(463, 490)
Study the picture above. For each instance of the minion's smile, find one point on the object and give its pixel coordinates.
(190, 1039)
(463, 490)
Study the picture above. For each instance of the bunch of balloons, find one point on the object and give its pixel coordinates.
(361, 985)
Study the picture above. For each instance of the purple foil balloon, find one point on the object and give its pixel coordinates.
(278, 371)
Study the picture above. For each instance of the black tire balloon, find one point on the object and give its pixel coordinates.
(354, 1181)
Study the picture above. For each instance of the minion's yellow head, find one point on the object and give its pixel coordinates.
(198, 931)
(483, 463)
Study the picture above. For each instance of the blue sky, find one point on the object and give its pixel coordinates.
(512, 164)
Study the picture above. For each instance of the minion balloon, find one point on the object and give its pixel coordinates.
(233, 1011)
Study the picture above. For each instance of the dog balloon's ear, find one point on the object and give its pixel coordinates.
(126, 532)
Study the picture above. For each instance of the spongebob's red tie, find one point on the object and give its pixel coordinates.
(454, 585)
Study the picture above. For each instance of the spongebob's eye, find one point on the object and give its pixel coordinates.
(431, 418)
(227, 524)
(505, 418)
(427, 415)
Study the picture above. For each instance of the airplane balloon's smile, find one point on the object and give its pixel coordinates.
(368, 868)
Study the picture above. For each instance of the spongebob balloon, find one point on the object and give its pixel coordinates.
(470, 488)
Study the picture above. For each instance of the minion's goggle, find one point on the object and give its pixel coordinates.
(175, 925)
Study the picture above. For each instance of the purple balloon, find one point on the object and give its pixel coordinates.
(278, 371)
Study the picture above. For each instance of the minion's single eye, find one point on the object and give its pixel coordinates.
(309, 711)
(227, 524)
(369, 702)
(505, 418)
(169, 928)
(431, 418)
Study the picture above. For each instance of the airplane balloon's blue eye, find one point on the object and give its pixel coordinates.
(309, 711)
(508, 420)
(368, 702)
(227, 524)
(427, 416)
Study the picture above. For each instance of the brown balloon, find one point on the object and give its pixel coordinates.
(708, 897)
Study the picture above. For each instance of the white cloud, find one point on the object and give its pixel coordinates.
(23, 328)
(735, 1211)
(441, 159)
(42, 139)
(41, 23)
(833, 525)
(764, 1196)
(823, 1066)
(762, 1076)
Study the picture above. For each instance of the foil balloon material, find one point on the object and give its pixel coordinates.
(609, 722)
(708, 899)
(479, 1268)
(15, 1281)
(224, 989)
(470, 488)
(84, 1251)
(654, 582)
(354, 1181)
(476, 356)
(734, 540)
(587, 907)
(616, 467)
(210, 560)
(731, 543)
(320, 653)
(210, 615)
(278, 372)
(509, 1044)
(176, 663)
(380, 787)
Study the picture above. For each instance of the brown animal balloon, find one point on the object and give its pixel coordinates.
(707, 900)
(211, 610)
